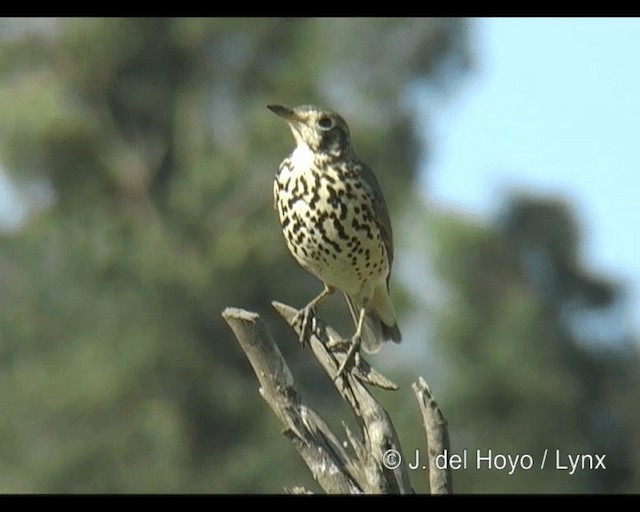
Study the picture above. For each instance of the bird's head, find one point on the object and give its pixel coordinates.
(322, 131)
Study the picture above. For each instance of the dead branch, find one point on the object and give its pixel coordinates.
(435, 426)
(366, 467)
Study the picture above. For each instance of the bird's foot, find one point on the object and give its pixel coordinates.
(338, 344)
(305, 318)
(352, 359)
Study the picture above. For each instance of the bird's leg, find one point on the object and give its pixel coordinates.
(354, 350)
(306, 314)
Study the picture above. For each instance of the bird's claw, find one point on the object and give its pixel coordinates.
(352, 359)
(304, 318)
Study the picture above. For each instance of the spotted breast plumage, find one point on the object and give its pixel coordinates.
(335, 221)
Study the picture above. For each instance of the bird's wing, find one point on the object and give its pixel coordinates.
(380, 209)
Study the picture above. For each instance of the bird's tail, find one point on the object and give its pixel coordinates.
(374, 330)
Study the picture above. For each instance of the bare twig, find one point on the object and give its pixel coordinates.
(437, 438)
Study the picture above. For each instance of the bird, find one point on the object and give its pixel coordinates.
(336, 225)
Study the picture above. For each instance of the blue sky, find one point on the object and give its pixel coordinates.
(553, 106)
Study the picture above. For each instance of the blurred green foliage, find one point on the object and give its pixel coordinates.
(153, 154)
(526, 377)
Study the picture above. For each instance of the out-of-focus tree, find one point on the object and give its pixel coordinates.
(145, 155)
(541, 357)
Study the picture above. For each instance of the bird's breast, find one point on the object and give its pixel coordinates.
(301, 159)
(328, 221)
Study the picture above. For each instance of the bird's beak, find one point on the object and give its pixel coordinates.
(285, 112)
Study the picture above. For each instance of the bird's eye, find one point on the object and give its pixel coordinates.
(326, 123)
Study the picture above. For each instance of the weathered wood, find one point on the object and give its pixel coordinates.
(311, 436)
(361, 465)
(435, 426)
(378, 433)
